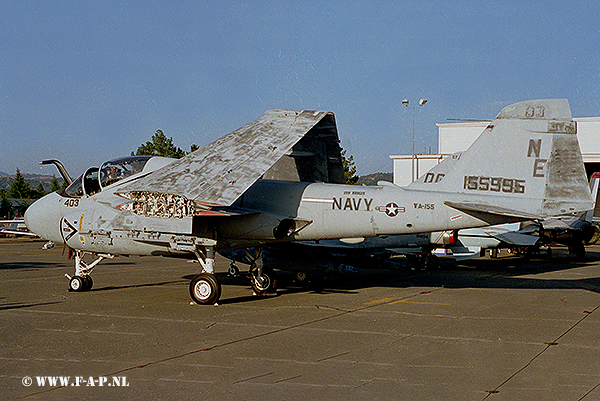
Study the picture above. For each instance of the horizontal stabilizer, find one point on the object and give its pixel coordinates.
(482, 208)
(220, 172)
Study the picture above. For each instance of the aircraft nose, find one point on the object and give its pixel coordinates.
(41, 218)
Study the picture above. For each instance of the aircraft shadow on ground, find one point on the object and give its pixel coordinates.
(29, 265)
(67, 264)
(506, 272)
(123, 287)
(21, 305)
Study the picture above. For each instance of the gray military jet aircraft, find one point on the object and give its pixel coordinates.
(525, 165)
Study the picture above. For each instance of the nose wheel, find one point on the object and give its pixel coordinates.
(80, 283)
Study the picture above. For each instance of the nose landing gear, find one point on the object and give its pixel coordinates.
(82, 281)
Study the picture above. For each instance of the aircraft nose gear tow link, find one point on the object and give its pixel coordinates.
(82, 281)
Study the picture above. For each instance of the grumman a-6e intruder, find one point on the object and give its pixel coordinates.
(525, 165)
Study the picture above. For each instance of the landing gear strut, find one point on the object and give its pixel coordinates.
(205, 289)
(262, 278)
(82, 281)
(233, 270)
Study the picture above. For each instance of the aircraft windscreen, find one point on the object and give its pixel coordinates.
(118, 169)
(75, 190)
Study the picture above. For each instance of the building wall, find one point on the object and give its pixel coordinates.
(403, 171)
(456, 137)
(588, 133)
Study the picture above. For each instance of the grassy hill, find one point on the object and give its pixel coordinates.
(371, 179)
(33, 179)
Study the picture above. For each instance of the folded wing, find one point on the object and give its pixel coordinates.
(220, 172)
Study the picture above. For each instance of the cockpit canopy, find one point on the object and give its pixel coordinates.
(95, 179)
(118, 169)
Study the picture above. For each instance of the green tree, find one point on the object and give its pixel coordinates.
(5, 208)
(54, 185)
(38, 192)
(160, 146)
(19, 188)
(349, 169)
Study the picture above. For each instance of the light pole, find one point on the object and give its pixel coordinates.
(412, 163)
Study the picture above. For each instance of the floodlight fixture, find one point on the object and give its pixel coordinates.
(421, 103)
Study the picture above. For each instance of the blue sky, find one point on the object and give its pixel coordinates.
(84, 82)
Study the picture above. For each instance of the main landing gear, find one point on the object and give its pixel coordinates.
(205, 289)
(262, 279)
(82, 281)
(577, 252)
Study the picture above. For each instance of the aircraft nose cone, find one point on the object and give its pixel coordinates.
(32, 218)
(41, 218)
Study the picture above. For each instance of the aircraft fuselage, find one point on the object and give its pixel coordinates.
(300, 211)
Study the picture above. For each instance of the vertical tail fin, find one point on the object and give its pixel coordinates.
(527, 159)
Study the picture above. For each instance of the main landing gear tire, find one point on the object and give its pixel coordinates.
(266, 283)
(80, 283)
(205, 289)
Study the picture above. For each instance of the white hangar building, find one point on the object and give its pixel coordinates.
(457, 137)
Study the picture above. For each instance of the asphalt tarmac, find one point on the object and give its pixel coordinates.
(490, 329)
